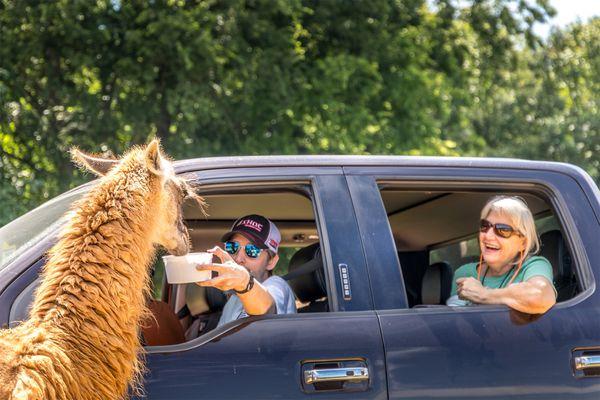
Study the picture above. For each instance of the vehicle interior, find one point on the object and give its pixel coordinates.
(435, 232)
(188, 310)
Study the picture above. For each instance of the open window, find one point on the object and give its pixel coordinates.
(436, 232)
(183, 312)
(187, 311)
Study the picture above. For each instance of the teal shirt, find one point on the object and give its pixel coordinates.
(533, 266)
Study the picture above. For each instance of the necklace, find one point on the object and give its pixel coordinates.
(503, 280)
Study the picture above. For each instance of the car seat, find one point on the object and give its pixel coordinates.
(554, 248)
(307, 279)
(437, 284)
(205, 305)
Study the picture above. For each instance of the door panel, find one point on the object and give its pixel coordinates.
(492, 353)
(262, 359)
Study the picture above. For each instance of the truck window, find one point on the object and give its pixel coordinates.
(198, 309)
(192, 310)
(436, 232)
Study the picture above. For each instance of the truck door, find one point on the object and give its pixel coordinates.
(336, 353)
(435, 351)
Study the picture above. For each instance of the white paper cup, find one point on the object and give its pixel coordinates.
(182, 269)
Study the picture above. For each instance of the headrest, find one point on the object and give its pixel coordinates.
(306, 275)
(437, 283)
(554, 248)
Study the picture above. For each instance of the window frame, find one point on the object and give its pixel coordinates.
(301, 186)
(266, 177)
(323, 181)
(544, 184)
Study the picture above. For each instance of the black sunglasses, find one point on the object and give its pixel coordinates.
(503, 230)
(252, 250)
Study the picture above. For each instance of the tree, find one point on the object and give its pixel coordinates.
(266, 77)
(549, 106)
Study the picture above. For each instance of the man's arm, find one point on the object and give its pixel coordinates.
(257, 301)
(534, 296)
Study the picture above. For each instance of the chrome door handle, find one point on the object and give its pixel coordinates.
(354, 374)
(584, 362)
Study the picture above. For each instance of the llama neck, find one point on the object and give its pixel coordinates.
(94, 284)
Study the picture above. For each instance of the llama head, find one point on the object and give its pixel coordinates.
(168, 200)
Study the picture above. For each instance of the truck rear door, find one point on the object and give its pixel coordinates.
(477, 351)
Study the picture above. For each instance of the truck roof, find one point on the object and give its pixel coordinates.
(370, 160)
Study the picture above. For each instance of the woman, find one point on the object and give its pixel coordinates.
(507, 272)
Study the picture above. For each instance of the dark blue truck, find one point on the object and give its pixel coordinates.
(369, 247)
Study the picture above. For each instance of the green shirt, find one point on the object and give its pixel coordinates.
(533, 266)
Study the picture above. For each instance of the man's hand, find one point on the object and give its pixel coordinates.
(471, 289)
(231, 275)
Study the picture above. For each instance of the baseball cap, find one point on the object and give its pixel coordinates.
(260, 230)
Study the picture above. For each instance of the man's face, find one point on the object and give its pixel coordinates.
(259, 266)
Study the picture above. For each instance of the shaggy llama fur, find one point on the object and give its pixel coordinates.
(81, 340)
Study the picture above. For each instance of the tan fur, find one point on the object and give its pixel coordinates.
(81, 340)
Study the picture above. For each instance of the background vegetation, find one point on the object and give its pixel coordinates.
(233, 77)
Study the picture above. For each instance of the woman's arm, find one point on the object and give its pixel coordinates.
(534, 296)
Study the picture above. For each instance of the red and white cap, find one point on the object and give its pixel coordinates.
(258, 229)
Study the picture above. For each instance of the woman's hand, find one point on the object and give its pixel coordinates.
(231, 275)
(471, 289)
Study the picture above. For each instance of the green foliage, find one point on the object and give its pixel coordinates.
(549, 107)
(233, 77)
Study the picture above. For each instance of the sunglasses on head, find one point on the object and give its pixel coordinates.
(252, 250)
(503, 230)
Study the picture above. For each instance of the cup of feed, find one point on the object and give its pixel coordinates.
(182, 269)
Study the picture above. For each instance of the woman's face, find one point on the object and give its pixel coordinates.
(499, 252)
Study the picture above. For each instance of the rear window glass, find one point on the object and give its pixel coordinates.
(21, 234)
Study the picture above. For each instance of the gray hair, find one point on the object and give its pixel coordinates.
(516, 209)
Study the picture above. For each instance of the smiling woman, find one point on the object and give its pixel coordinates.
(439, 231)
(506, 273)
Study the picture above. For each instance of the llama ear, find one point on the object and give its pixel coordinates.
(98, 165)
(154, 160)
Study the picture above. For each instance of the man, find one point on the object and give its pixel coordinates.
(246, 271)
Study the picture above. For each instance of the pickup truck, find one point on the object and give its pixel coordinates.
(369, 245)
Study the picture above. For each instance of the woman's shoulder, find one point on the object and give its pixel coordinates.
(538, 261)
(537, 265)
(465, 270)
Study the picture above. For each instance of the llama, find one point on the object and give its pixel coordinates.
(81, 340)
